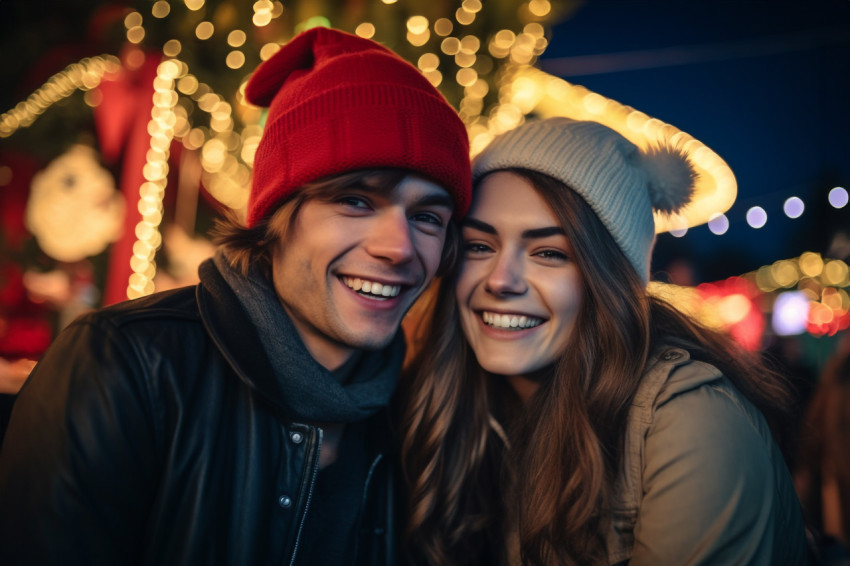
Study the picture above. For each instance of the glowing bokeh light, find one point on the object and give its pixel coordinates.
(733, 308)
(466, 77)
(428, 62)
(465, 59)
(93, 98)
(473, 6)
(269, 49)
(434, 77)
(160, 9)
(172, 48)
(204, 30)
(136, 34)
(155, 172)
(443, 27)
(470, 44)
(188, 84)
(811, 264)
(833, 298)
(262, 13)
(719, 224)
(261, 19)
(134, 59)
(535, 29)
(539, 8)
(236, 38)
(790, 313)
(464, 17)
(794, 207)
(235, 59)
(417, 24)
(836, 273)
(133, 19)
(84, 76)
(756, 217)
(785, 273)
(838, 197)
(820, 314)
(450, 46)
(419, 39)
(366, 30)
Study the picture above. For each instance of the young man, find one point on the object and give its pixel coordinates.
(241, 421)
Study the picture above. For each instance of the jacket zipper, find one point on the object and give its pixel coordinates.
(309, 497)
(369, 475)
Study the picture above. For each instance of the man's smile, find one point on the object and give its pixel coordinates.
(372, 289)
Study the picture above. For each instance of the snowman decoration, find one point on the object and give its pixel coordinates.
(73, 209)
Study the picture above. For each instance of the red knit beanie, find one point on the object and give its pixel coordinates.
(339, 103)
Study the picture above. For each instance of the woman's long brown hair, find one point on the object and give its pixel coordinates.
(553, 485)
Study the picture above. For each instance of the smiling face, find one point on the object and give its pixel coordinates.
(518, 292)
(352, 265)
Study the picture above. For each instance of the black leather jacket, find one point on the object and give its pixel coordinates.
(151, 433)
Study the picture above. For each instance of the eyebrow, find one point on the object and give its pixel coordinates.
(533, 233)
(436, 199)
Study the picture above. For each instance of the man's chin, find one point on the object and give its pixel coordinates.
(371, 339)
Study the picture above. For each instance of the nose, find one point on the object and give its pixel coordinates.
(506, 276)
(389, 239)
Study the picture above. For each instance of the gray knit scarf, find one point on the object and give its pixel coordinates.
(355, 391)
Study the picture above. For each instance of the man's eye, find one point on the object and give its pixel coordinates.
(428, 217)
(354, 201)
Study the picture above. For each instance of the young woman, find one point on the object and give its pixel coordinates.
(559, 414)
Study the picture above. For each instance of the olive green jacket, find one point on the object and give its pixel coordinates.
(701, 480)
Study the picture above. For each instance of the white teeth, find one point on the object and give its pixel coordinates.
(373, 288)
(510, 320)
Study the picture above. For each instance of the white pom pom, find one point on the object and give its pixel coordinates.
(671, 178)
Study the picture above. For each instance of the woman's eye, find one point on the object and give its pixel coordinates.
(476, 248)
(553, 255)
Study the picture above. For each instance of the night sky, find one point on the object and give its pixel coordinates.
(764, 84)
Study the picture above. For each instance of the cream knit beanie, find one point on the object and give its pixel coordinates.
(620, 183)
